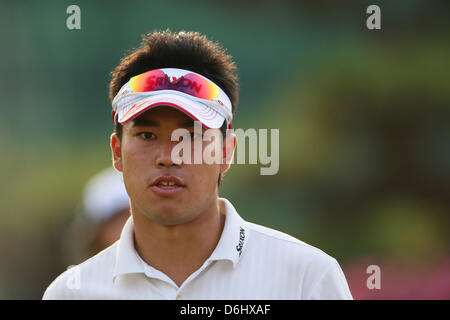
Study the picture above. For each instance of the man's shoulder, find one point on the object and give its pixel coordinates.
(279, 242)
(72, 283)
(317, 274)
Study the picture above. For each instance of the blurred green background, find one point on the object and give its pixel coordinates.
(363, 118)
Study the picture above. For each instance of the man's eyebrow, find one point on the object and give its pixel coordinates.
(145, 123)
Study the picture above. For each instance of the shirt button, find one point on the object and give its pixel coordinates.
(179, 297)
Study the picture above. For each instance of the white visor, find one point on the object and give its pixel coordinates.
(128, 104)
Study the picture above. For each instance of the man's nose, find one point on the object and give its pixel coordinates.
(164, 158)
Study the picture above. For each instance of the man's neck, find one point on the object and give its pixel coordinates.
(178, 250)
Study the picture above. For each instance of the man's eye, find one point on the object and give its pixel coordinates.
(194, 135)
(147, 135)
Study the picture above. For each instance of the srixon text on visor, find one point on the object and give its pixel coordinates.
(156, 81)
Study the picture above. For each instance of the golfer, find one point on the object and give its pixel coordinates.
(182, 241)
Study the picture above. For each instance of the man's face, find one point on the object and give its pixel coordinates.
(144, 155)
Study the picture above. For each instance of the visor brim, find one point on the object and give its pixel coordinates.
(194, 109)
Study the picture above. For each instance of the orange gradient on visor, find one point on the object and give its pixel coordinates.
(190, 83)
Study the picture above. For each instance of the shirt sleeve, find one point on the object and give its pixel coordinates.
(332, 285)
(60, 288)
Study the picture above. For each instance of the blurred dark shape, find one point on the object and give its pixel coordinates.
(101, 216)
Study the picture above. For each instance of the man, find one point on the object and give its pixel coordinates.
(183, 241)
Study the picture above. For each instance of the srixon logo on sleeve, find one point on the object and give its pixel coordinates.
(241, 241)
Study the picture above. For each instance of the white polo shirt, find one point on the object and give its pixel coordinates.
(250, 262)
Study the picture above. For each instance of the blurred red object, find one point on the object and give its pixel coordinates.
(399, 280)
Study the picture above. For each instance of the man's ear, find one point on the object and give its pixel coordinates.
(116, 152)
(228, 150)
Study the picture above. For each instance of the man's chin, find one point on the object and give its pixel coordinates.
(167, 216)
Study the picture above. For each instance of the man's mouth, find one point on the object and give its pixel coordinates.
(167, 185)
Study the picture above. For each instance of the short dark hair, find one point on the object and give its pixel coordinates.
(185, 50)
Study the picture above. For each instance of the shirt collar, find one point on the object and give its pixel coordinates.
(230, 247)
(127, 259)
(234, 235)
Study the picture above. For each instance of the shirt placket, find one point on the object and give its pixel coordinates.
(181, 292)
